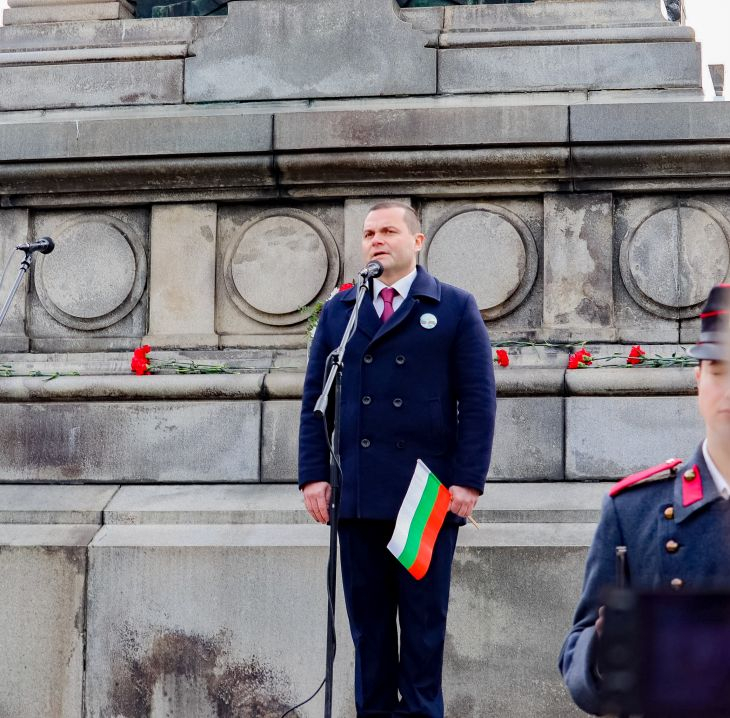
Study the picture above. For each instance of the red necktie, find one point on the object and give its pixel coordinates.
(387, 294)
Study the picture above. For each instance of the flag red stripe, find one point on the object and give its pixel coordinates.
(430, 534)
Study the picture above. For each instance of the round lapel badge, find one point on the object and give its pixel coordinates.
(428, 321)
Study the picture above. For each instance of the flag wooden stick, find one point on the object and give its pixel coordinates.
(471, 521)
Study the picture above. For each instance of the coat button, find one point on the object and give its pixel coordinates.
(677, 583)
(400, 444)
(672, 546)
(366, 400)
(397, 403)
(669, 512)
(365, 443)
(690, 475)
(368, 358)
(400, 359)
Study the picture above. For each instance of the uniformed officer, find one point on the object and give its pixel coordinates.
(674, 519)
(417, 384)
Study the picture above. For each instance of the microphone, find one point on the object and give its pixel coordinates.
(44, 245)
(371, 269)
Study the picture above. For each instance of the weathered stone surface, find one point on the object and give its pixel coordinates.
(182, 280)
(166, 387)
(67, 13)
(553, 13)
(207, 504)
(147, 585)
(610, 438)
(385, 55)
(528, 441)
(280, 440)
(634, 323)
(133, 441)
(579, 263)
(259, 248)
(686, 239)
(473, 126)
(530, 68)
(42, 621)
(15, 230)
(521, 314)
(150, 131)
(270, 504)
(100, 260)
(488, 251)
(206, 597)
(667, 381)
(90, 84)
(647, 122)
(45, 504)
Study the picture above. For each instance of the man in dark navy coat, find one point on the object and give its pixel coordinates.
(674, 519)
(418, 383)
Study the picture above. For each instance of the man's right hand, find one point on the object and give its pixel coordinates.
(317, 500)
(600, 621)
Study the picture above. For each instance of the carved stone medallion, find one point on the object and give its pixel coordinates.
(95, 275)
(281, 261)
(671, 260)
(489, 251)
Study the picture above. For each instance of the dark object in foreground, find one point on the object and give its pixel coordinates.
(666, 654)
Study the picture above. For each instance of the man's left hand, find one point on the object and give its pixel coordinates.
(463, 500)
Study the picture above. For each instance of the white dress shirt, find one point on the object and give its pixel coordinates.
(402, 286)
(717, 477)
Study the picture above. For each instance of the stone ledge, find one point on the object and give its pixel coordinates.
(47, 534)
(647, 122)
(98, 388)
(51, 504)
(515, 381)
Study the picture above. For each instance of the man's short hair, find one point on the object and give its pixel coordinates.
(409, 214)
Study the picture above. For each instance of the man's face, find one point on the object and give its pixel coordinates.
(713, 389)
(387, 239)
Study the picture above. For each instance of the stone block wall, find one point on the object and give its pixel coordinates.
(205, 178)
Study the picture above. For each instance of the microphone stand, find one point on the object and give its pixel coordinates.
(24, 267)
(335, 377)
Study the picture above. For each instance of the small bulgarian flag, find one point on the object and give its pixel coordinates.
(420, 517)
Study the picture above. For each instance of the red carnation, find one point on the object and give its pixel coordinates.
(502, 357)
(636, 355)
(347, 285)
(140, 362)
(582, 358)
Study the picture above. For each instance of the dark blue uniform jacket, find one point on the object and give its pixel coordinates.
(409, 392)
(670, 545)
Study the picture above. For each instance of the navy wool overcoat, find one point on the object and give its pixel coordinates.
(420, 386)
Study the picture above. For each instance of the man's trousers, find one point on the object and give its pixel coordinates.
(378, 591)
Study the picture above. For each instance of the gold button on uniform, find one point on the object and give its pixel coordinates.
(690, 475)
(672, 546)
(669, 512)
(677, 583)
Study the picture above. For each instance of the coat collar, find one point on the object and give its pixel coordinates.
(425, 287)
(694, 495)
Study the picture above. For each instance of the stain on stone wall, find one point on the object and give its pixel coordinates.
(200, 674)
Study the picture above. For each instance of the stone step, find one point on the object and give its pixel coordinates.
(217, 504)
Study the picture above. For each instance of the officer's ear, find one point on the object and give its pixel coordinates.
(420, 239)
(698, 371)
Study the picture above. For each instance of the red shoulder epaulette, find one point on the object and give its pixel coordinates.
(667, 469)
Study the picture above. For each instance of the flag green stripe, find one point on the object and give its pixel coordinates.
(420, 519)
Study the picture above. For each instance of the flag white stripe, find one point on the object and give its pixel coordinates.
(408, 508)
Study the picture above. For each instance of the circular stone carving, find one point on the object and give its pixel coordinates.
(95, 275)
(490, 252)
(674, 257)
(282, 260)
